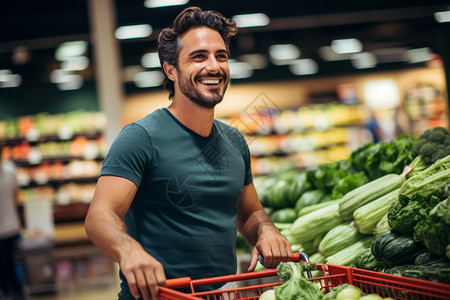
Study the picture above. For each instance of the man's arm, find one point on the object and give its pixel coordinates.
(256, 227)
(106, 229)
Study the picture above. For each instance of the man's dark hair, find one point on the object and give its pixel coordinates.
(191, 17)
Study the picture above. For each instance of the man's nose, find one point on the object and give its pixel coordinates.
(213, 65)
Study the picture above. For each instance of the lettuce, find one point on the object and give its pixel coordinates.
(294, 285)
(434, 231)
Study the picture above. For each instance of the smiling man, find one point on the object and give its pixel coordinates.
(176, 185)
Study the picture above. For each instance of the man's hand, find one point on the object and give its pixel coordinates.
(273, 246)
(143, 274)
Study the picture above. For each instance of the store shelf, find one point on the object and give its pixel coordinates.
(65, 213)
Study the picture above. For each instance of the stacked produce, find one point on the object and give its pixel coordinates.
(372, 210)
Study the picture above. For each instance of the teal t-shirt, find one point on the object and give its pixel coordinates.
(184, 212)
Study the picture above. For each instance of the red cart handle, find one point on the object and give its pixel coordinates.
(183, 282)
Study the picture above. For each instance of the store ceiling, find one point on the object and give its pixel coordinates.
(384, 27)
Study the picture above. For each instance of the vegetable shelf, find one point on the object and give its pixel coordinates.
(369, 282)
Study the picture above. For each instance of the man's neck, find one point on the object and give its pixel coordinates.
(194, 117)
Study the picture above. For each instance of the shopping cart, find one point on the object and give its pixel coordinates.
(369, 282)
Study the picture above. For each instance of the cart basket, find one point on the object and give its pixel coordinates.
(370, 282)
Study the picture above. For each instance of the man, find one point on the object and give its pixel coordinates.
(177, 184)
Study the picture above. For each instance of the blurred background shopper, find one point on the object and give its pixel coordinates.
(10, 286)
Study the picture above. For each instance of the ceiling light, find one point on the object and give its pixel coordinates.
(8, 79)
(363, 60)
(239, 70)
(70, 49)
(162, 3)
(251, 20)
(442, 16)
(283, 53)
(148, 79)
(383, 93)
(343, 46)
(70, 82)
(75, 63)
(419, 55)
(150, 60)
(305, 66)
(133, 31)
(129, 72)
(257, 61)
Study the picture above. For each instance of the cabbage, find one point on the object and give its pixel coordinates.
(294, 285)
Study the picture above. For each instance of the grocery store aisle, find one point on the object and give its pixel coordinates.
(99, 293)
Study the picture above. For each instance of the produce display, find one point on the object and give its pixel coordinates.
(385, 208)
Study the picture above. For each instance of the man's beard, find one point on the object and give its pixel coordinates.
(196, 96)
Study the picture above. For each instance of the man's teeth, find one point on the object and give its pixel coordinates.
(210, 81)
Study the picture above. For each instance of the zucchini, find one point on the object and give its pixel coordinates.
(311, 208)
(396, 249)
(338, 238)
(367, 216)
(367, 193)
(346, 255)
(382, 225)
(317, 223)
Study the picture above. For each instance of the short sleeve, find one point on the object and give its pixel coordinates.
(130, 155)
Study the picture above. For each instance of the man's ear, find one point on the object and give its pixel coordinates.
(170, 71)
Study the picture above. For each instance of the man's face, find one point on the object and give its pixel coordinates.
(203, 72)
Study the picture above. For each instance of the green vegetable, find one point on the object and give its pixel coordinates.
(284, 215)
(395, 249)
(349, 293)
(434, 231)
(268, 295)
(345, 256)
(425, 258)
(428, 181)
(371, 297)
(263, 185)
(338, 238)
(317, 258)
(277, 195)
(432, 145)
(447, 251)
(367, 193)
(294, 285)
(314, 224)
(382, 225)
(313, 245)
(335, 290)
(406, 212)
(299, 185)
(379, 159)
(348, 183)
(367, 216)
(397, 270)
(310, 208)
(364, 259)
(282, 226)
(437, 270)
(310, 198)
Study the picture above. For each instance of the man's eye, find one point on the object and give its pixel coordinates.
(199, 56)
